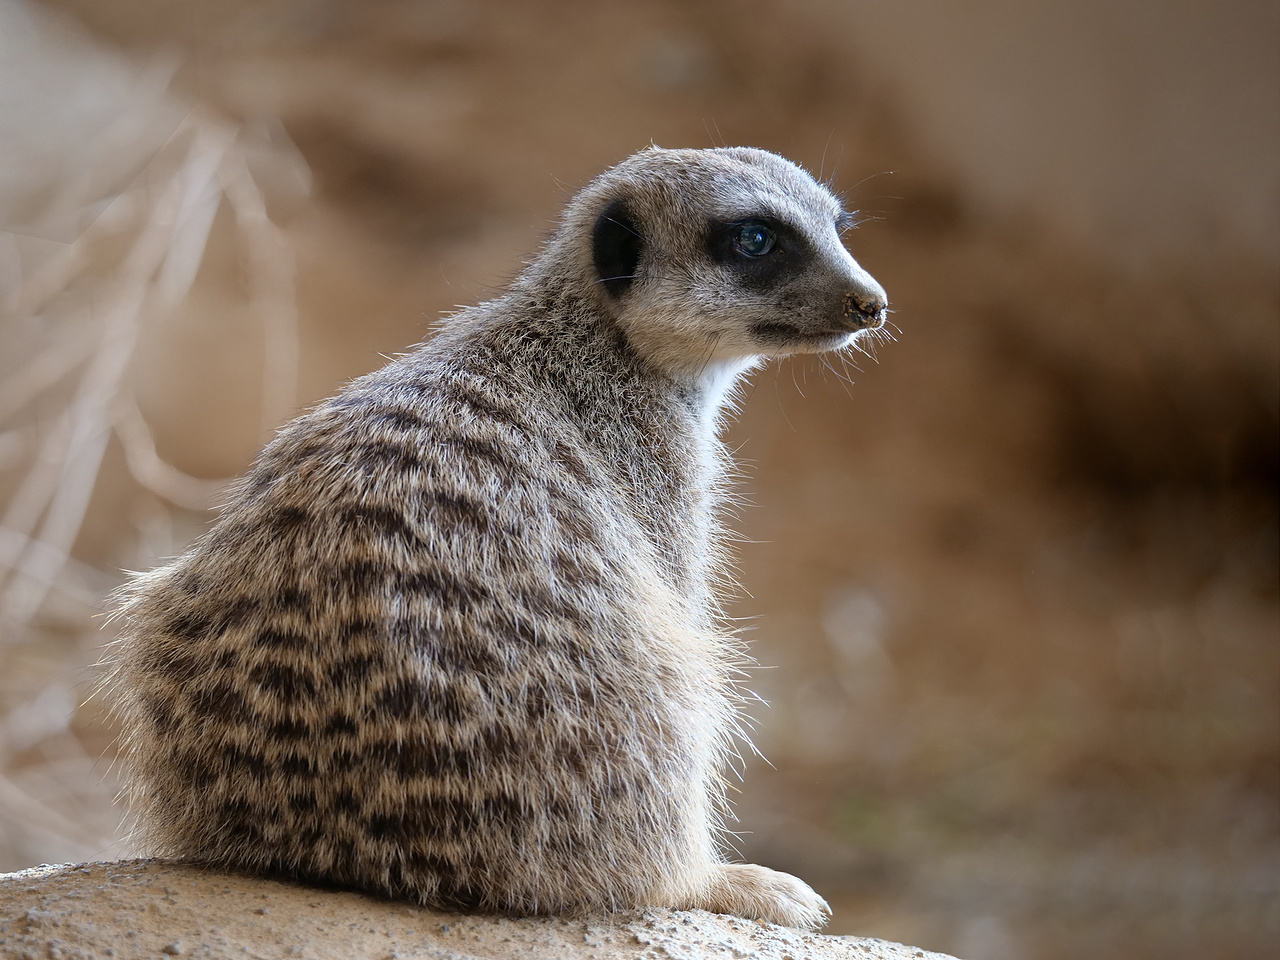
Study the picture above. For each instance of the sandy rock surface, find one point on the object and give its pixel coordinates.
(160, 909)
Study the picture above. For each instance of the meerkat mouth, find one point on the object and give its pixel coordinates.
(786, 335)
(859, 314)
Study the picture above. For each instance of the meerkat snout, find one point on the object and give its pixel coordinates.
(865, 306)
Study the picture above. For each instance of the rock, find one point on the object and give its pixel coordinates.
(156, 908)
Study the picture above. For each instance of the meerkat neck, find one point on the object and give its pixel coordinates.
(568, 321)
(716, 385)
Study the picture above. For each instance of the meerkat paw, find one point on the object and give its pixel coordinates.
(758, 893)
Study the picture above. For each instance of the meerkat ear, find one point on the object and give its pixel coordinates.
(616, 247)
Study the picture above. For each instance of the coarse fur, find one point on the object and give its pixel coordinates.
(456, 636)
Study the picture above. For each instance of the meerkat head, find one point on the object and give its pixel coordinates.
(704, 257)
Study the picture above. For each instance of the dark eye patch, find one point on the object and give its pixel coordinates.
(741, 245)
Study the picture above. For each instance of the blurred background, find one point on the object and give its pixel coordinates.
(1013, 581)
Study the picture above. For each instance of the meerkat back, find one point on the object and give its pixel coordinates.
(455, 638)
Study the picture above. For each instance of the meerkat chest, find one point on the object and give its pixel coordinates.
(681, 504)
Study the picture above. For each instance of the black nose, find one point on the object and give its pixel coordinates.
(866, 312)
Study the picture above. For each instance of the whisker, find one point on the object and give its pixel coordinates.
(627, 227)
(822, 164)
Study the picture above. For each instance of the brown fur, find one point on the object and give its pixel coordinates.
(455, 637)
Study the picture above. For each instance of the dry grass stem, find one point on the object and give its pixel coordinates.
(175, 208)
(107, 243)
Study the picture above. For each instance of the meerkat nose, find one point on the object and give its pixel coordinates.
(865, 309)
(865, 305)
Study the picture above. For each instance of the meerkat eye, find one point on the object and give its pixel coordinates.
(754, 240)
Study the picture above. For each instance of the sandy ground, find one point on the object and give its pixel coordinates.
(140, 908)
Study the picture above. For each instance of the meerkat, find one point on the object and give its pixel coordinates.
(456, 637)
